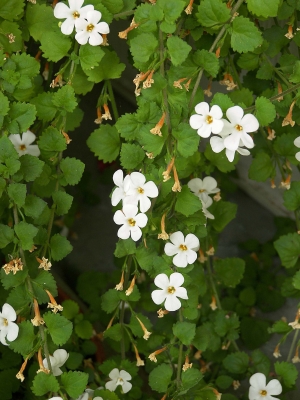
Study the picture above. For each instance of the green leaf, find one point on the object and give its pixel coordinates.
(224, 381)
(292, 197)
(59, 327)
(115, 333)
(10, 280)
(288, 372)
(25, 340)
(108, 68)
(212, 13)
(223, 101)
(178, 50)
(160, 378)
(45, 108)
(224, 212)
(74, 382)
(131, 156)
(187, 203)
(70, 309)
(20, 117)
(60, 247)
(19, 297)
(84, 329)
(245, 35)
(74, 361)
(281, 326)
(26, 233)
(254, 332)
(248, 61)
(261, 168)
(136, 327)
(4, 104)
(90, 56)
(17, 193)
(288, 248)
(52, 140)
(125, 247)
(189, 379)
(208, 61)
(44, 281)
(185, 331)
(261, 362)
(55, 45)
(44, 383)
(206, 338)
(110, 301)
(113, 6)
(237, 362)
(219, 160)
(263, 8)
(230, 271)
(63, 202)
(31, 168)
(105, 143)
(242, 96)
(34, 206)
(265, 111)
(142, 47)
(72, 170)
(12, 9)
(295, 76)
(187, 139)
(284, 145)
(65, 99)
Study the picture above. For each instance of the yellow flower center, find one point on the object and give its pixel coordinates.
(131, 222)
(209, 119)
(183, 247)
(5, 322)
(22, 147)
(140, 190)
(171, 289)
(76, 14)
(202, 190)
(263, 392)
(238, 127)
(90, 27)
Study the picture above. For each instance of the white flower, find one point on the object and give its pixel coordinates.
(123, 186)
(71, 14)
(131, 222)
(218, 144)
(88, 393)
(8, 329)
(297, 144)
(89, 30)
(119, 378)
(140, 191)
(23, 145)
(205, 121)
(260, 391)
(58, 359)
(202, 188)
(237, 130)
(171, 289)
(185, 249)
(205, 205)
(56, 398)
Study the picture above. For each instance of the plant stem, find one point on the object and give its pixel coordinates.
(289, 357)
(179, 362)
(235, 73)
(112, 100)
(162, 71)
(124, 14)
(122, 314)
(212, 48)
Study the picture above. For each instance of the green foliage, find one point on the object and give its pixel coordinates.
(110, 300)
(288, 248)
(131, 155)
(44, 281)
(263, 8)
(292, 197)
(261, 168)
(185, 331)
(84, 329)
(160, 378)
(187, 203)
(63, 202)
(187, 140)
(70, 309)
(25, 340)
(237, 362)
(208, 61)
(6, 235)
(245, 35)
(288, 372)
(142, 47)
(105, 143)
(265, 111)
(26, 233)
(44, 383)
(213, 13)
(74, 382)
(224, 212)
(59, 327)
(60, 247)
(124, 248)
(178, 50)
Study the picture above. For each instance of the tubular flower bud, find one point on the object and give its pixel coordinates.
(271, 133)
(130, 289)
(213, 304)
(236, 384)
(176, 187)
(105, 41)
(197, 355)
(177, 84)
(57, 82)
(217, 394)
(277, 353)
(166, 173)
(149, 80)
(163, 235)
(38, 55)
(152, 356)
(55, 307)
(46, 71)
(208, 91)
(187, 364)
(110, 323)
(40, 360)
(44, 263)
(296, 358)
(288, 119)
(67, 137)
(187, 85)
(218, 51)
(289, 33)
(20, 373)
(106, 115)
(287, 183)
(37, 320)
(161, 313)
(158, 126)
(139, 361)
(228, 81)
(13, 266)
(202, 257)
(210, 251)
(273, 186)
(280, 98)
(123, 34)
(99, 118)
(295, 324)
(146, 333)
(189, 8)
(119, 286)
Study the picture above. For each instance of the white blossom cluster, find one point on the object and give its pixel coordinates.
(85, 19)
(202, 189)
(231, 135)
(133, 190)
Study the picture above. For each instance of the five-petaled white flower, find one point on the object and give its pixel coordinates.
(297, 144)
(259, 390)
(185, 249)
(8, 329)
(202, 188)
(88, 394)
(170, 290)
(131, 222)
(71, 14)
(23, 145)
(90, 29)
(236, 131)
(207, 121)
(119, 378)
(218, 144)
(123, 185)
(140, 191)
(58, 359)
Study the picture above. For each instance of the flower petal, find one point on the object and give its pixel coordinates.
(118, 177)
(28, 137)
(8, 312)
(171, 249)
(243, 152)
(84, 10)
(235, 114)
(247, 140)
(119, 218)
(172, 303)
(67, 26)
(232, 141)
(230, 154)
(123, 232)
(182, 293)
(258, 381)
(130, 210)
(180, 259)
(136, 233)
(102, 27)
(61, 356)
(217, 126)
(196, 121)
(95, 38)
(158, 296)
(61, 11)
(125, 375)
(150, 189)
(33, 150)
(114, 373)
(204, 131)
(296, 141)
(216, 112)
(274, 387)
(137, 179)
(3, 334)
(195, 185)
(141, 220)
(250, 123)
(15, 139)
(217, 144)
(126, 387)
(75, 4)
(202, 108)
(192, 242)
(117, 196)
(13, 331)
(93, 17)
(210, 184)
(145, 203)
(177, 238)
(82, 37)
(297, 155)
(111, 385)
(176, 279)
(191, 256)
(162, 281)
